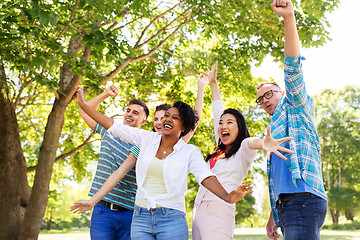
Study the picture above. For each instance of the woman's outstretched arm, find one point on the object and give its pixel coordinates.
(115, 178)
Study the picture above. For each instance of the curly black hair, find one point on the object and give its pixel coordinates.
(242, 134)
(188, 117)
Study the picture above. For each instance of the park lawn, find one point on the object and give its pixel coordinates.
(248, 234)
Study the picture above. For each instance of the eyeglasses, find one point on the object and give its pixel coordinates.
(267, 95)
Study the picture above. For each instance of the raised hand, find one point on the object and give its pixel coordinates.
(212, 73)
(240, 193)
(81, 206)
(283, 8)
(203, 80)
(112, 90)
(272, 145)
(80, 95)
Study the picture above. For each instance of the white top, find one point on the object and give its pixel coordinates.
(184, 159)
(229, 171)
(154, 182)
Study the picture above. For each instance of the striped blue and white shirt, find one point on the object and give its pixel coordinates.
(113, 153)
(293, 117)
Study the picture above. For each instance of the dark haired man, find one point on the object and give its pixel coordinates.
(297, 194)
(112, 216)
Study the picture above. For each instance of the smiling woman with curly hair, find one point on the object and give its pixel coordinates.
(162, 167)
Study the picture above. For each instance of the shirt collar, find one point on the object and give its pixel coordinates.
(179, 144)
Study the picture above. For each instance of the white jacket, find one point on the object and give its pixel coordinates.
(229, 171)
(184, 159)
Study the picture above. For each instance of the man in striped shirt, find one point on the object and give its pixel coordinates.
(297, 194)
(112, 216)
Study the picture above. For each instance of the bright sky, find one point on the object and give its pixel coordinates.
(334, 64)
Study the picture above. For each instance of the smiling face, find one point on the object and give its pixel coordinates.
(134, 116)
(171, 123)
(228, 129)
(269, 105)
(158, 115)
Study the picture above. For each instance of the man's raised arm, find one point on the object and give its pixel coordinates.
(284, 8)
(103, 120)
(95, 102)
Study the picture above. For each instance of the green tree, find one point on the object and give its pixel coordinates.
(59, 202)
(338, 114)
(149, 48)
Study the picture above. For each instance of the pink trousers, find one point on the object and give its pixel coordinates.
(213, 220)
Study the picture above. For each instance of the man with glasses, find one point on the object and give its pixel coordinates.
(297, 194)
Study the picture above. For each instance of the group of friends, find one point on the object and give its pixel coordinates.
(138, 191)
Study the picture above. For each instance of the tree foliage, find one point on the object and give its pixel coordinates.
(338, 114)
(153, 50)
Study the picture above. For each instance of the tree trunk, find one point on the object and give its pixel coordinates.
(349, 214)
(47, 154)
(335, 215)
(14, 193)
(48, 224)
(39, 194)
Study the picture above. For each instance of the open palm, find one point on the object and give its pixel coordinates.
(240, 193)
(273, 145)
(81, 206)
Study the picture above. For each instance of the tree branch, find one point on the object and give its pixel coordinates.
(114, 22)
(137, 59)
(130, 59)
(169, 67)
(68, 154)
(71, 17)
(120, 67)
(134, 20)
(164, 28)
(257, 19)
(181, 59)
(32, 96)
(3, 82)
(28, 54)
(29, 101)
(22, 87)
(152, 21)
(124, 12)
(142, 76)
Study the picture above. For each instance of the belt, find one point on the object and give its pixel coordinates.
(112, 206)
(285, 197)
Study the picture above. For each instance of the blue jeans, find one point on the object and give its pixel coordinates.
(159, 223)
(110, 225)
(302, 217)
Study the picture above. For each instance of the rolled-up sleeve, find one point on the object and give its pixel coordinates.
(294, 81)
(246, 153)
(128, 134)
(198, 166)
(247, 157)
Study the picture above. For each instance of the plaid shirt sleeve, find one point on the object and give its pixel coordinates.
(296, 93)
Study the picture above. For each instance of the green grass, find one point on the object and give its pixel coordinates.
(264, 237)
(325, 235)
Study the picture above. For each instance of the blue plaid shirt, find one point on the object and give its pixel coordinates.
(293, 117)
